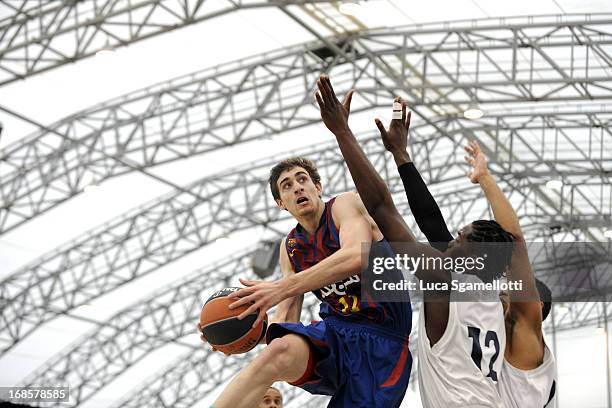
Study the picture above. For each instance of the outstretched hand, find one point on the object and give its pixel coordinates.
(477, 160)
(334, 113)
(395, 139)
(260, 296)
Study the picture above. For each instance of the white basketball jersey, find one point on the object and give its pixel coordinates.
(462, 368)
(535, 388)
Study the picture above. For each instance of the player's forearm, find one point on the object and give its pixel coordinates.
(424, 207)
(286, 314)
(343, 264)
(371, 187)
(520, 268)
(295, 311)
(503, 211)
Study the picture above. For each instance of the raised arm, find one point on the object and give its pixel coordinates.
(422, 204)
(524, 304)
(371, 187)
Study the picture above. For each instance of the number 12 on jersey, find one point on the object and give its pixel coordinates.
(491, 337)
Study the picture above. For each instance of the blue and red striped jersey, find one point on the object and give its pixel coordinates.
(344, 298)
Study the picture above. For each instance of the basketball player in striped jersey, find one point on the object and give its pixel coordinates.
(461, 344)
(529, 371)
(358, 353)
(528, 378)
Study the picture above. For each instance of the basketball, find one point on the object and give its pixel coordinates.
(222, 329)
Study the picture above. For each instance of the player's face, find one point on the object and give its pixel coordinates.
(272, 399)
(460, 245)
(298, 193)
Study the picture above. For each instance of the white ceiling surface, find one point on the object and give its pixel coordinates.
(50, 96)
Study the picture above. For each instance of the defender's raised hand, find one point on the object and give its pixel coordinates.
(334, 114)
(395, 139)
(477, 160)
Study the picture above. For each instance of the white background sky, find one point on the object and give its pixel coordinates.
(50, 96)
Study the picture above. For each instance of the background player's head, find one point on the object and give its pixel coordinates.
(272, 399)
(545, 298)
(543, 292)
(296, 186)
(487, 240)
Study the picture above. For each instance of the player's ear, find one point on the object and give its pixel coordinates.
(319, 188)
(280, 204)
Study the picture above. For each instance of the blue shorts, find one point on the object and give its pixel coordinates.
(358, 363)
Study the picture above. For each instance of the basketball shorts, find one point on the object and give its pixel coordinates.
(358, 363)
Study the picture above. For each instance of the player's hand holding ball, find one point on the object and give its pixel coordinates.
(224, 331)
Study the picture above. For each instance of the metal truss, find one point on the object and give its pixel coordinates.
(565, 316)
(579, 274)
(181, 222)
(40, 36)
(571, 143)
(550, 59)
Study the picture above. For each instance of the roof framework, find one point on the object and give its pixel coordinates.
(43, 35)
(545, 83)
(443, 69)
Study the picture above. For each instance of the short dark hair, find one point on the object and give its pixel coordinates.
(545, 297)
(495, 240)
(288, 164)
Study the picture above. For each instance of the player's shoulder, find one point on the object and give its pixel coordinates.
(347, 206)
(348, 199)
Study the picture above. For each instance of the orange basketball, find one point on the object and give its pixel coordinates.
(222, 329)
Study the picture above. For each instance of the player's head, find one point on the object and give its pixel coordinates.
(543, 292)
(487, 241)
(545, 298)
(296, 186)
(272, 399)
